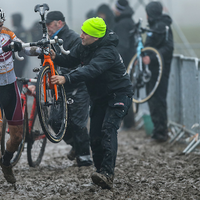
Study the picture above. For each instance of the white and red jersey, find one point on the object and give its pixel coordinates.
(7, 74)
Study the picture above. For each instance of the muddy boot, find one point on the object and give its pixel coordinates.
(103, 179)
(84, 161)
(8, 173)
(72, 154)
(161, 136)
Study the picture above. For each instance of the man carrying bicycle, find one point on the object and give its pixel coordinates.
(164, 44)
(10, 100)
(78, 110)
(76, 133)
(109, 87)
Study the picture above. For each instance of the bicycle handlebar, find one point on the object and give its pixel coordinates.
(41, 43)
(26, 80)
(139, 29)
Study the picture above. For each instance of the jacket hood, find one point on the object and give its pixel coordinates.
(127, 12)
(166, 19)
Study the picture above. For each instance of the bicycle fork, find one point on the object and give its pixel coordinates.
(49, 62)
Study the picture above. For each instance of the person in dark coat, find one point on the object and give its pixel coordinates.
(109, 87)
(124, 23)
(91, 13)
(163, 42)
(21, 33)
(78, 108)
(35, 32)
(107, 15)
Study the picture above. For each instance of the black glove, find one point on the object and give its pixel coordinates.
(17, 47)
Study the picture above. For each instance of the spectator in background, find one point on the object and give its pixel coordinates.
(35, 32)
(158, 104)
(21, 33)
(126, 47)
(107, 15)
(91, 13)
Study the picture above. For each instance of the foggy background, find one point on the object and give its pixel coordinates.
(185, 15)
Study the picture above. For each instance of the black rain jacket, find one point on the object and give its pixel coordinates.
(123, 25)
(102, 68)
(160, 41)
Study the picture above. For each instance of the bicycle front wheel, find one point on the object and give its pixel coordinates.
(36, 143)
(145, 78)
(5, 137)
(52, 113)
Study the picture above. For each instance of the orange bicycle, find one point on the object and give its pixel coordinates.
(50, 98)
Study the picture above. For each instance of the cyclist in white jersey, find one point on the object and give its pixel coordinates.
(10, 100)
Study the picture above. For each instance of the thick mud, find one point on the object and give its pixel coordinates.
(144, 170)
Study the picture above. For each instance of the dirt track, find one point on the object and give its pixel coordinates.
(144, 170)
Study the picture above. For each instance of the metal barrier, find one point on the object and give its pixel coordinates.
(184, 101)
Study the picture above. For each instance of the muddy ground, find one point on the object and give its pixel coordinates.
(144, 170)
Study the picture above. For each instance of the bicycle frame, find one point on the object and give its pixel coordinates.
(47, 95)
(24, 94)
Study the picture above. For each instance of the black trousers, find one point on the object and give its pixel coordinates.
(77, 134)
(106, 117)
(158, 106)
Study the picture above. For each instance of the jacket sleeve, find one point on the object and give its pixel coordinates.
(30, 51)
(97, 66)
(68, 61)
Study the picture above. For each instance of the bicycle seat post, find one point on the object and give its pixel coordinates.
(41, 9)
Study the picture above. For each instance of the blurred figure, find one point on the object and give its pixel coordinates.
(35, 32)
(21, 33)
(91, 13)
(107, 15)
(158, 104)
(126, 47)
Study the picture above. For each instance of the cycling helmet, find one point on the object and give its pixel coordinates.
(2, 15)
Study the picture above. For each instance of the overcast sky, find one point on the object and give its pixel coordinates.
(183, 12)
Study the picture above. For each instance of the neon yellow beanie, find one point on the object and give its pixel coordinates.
(94, 27)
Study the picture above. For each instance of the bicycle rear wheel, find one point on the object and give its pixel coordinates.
(6, 136)
(52, 113)
(145, 82)
(36, 143)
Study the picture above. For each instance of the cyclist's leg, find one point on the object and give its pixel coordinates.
(1, 126)
(11, 104)
(14, 116)
(1, 122)
(16, 132)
